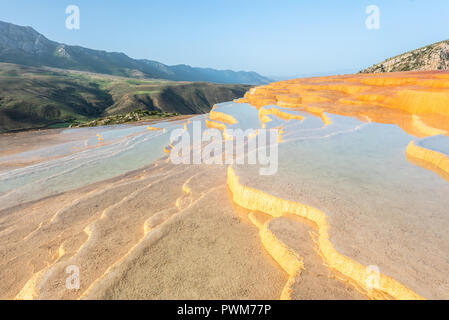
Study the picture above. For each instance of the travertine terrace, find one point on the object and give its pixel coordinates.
(362, 184)
(417, 102)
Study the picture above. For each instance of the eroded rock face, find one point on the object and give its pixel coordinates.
(432, 57)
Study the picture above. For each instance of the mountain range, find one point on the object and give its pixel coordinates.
(26, 46)
(42, 97)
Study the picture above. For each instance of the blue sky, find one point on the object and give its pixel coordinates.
(279, 38)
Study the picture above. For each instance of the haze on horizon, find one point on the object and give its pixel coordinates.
(278, 39)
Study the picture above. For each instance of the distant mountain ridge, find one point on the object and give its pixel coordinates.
(431, 57)
(26, 46)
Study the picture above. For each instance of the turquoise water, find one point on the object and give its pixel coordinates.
(246, 115)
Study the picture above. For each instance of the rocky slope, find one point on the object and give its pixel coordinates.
(24, 45)
(431, 57)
